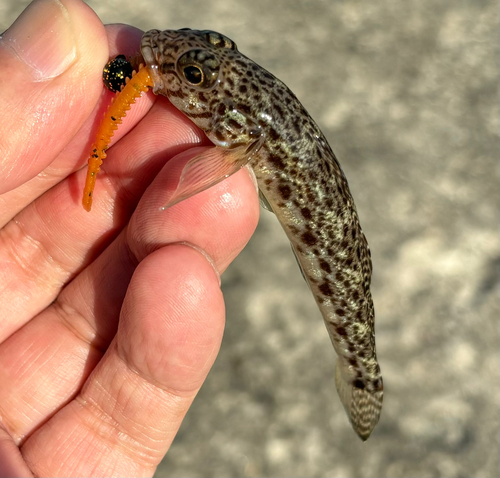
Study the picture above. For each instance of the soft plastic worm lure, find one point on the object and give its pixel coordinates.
(133, 88)
(253, 118)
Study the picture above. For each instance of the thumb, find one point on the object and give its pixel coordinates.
(52, 59)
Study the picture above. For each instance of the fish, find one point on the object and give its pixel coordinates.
(254, 120)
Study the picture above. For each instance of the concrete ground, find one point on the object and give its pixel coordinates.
(407, 95)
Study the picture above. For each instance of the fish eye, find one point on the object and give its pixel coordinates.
(193, 74)
(198, 68)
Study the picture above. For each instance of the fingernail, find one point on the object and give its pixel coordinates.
(42, 37)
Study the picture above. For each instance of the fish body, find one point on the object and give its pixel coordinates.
(254, 119)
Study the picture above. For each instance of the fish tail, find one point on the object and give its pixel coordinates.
(362, 406)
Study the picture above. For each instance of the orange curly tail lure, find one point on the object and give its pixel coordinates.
(132, 90)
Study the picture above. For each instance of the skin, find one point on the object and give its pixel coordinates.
(102, 349)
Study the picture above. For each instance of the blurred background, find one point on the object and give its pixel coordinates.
(407, 95)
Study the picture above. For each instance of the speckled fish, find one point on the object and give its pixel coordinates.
(254, 119)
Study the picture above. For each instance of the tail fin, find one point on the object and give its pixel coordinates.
(362, 406)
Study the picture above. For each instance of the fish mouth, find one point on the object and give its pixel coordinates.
(149, 39)
(152, 47)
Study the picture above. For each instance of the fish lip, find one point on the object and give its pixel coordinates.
(149, 52)
(152, 48)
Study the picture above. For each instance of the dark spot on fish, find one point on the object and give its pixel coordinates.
(279, 110)
(276, 160)
(306, 213)
(234, 124)
(273, 134)
(167, 67)
(325, 266)
(358, 384)
(341, 331)
(285, 191)
(245, 109)
(176, 94)
(340, 312)
(309, 238)
(325, 289)
(207, 114)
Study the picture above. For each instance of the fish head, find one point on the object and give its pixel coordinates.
(189, 67)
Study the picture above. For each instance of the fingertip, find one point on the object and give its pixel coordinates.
(220, 220)
(132, 405)
(49, 53)
(175, 310)
(51, 38)
(52, 59)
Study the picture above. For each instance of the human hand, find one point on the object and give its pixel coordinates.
(109, 320)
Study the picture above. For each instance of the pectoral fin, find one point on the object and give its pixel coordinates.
(208, 169)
